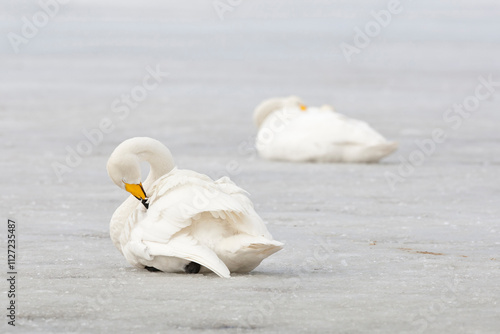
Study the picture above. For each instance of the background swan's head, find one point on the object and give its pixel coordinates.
(124, 164)
(266, 107)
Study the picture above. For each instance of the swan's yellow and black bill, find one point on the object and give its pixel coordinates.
(136, 189)
(303, 107)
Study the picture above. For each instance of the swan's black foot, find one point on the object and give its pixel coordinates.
(152, 269)
(192, 268)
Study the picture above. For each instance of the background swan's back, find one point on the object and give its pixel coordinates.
(320, 135)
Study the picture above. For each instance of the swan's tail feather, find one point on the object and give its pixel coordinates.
(243, 253)
(379, 151)
(264, 250)
(253, 254)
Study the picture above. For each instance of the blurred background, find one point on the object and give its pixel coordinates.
(68, 68)
(223, 60)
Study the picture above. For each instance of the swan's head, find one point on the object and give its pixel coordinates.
(124, 164)
(268, 106)
(125, 171)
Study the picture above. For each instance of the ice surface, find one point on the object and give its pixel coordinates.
(360, 256)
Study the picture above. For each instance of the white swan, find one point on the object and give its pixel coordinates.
(191, 220)
(290, 131)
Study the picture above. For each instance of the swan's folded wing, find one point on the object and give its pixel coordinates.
(175, 178)
(187, 248)
(249, 222)
(182, 195)
(229, 187)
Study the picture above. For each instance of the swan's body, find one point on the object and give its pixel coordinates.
(190, 217)
(288, 131)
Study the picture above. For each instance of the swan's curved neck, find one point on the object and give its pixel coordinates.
(265, 109)
(160, 161)
(124, 162)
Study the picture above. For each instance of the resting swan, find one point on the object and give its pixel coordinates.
(184, 221)
(290, 131)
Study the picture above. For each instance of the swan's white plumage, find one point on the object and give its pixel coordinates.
(190, 218)
(317, 134)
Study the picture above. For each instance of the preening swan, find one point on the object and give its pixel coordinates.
(184, 221)
(290, 131)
